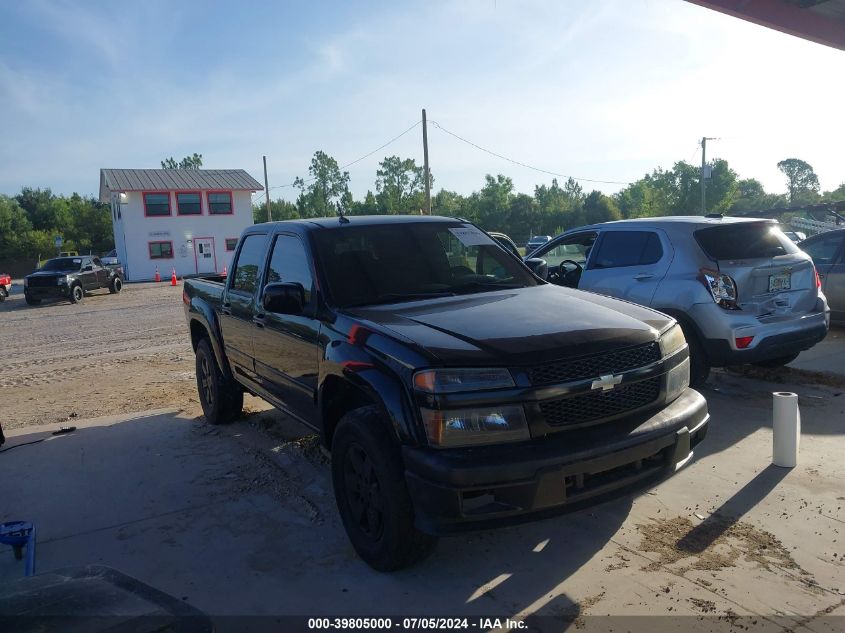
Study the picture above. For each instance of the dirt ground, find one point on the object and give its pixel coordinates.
(111, 354)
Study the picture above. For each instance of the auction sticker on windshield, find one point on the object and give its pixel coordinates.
(471, 236)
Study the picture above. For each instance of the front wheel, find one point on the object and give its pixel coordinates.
(3, 293)
(76, 294)
(371, 494)
(115, 286)
(222, 399)
(780, 361)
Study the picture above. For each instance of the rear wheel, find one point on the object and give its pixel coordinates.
(371, 494)
(116, 286)
(3, 293)
(780, 361)
(222, 399)
(76, 294)
(699, 366)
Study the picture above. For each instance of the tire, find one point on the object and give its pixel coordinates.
(31, 300)
(780, 361)
(222, 399)
(115, 286)
(380, 525)
(3, 293)
(76, 294)
(699, 366)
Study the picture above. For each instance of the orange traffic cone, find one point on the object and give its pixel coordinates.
(173, 281)
(158, 276)
(225, 274)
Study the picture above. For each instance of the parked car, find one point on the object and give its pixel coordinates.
(828, 253)
(742, 290)
(796, 236)
(505, 242)
(110, 258)
(452, 397)
(70, 278)
(536, 242)
(5, 286)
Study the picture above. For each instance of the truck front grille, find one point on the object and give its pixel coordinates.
(597, 405)
(594, 366)
(41, 282)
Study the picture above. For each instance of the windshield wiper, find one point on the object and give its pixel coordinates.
(394, 297)
(472, 286)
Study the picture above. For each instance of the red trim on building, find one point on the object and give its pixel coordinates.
(199, 196)
(150, 250)
(231, 201)
(213, 249)
(169, 203)
(234, 244)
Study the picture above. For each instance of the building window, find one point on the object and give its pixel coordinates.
(231, 243)
(156, 204)
(220, 203)
(188, 203)
(161, 250)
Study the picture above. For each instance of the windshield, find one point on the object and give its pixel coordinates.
(394, 262)
(63, 263)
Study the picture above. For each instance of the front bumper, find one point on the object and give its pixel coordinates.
(479, 488)
(47, 292)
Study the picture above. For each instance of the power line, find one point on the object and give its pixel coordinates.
(357, 160)
(526, 165)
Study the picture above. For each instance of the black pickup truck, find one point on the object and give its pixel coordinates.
(454, 388)
(71, 278)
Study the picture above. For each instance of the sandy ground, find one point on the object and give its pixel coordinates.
(111, 354)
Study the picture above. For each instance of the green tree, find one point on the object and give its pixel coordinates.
(281, 210)
(400, 185)
(15, 229)
(802, 182)
(600, 208)
(189, 162)
(447, 203)
(327, 188)
(493, 202)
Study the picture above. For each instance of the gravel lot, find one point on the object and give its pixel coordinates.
(111, 354)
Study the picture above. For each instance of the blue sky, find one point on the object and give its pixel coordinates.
(605, 90)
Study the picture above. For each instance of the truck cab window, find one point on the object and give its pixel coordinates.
(250, 257)
(289, 263)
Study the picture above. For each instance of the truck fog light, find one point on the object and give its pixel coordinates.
(677, 380)
(470, 427)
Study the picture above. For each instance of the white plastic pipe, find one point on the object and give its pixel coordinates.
(786, 427)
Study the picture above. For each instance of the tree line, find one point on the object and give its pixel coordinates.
(399, 188)
(30, 220)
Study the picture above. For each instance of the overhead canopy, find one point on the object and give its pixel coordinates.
(821, 21)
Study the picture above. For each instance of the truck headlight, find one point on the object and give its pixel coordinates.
(672, 340)
(471, 427)
(452, 380)
(61, 281)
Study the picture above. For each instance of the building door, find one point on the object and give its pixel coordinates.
(205, 256)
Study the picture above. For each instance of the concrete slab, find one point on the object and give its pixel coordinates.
(238, 521)
(827, 356)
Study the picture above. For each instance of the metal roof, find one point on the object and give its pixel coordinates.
(176, 180)
(820, 21)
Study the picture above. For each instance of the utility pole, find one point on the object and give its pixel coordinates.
(267, 192)
(704, 140)
(427, 172)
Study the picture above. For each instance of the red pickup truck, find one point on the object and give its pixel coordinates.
(5, 285)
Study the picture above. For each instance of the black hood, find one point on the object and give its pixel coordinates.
(51, 273)
(521, 326)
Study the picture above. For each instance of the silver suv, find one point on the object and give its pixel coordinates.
(741, 290)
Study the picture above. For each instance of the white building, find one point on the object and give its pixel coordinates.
(183, 219)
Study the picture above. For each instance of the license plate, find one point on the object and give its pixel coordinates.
(780, 282)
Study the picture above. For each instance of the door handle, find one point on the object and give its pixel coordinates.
(258, 319)
(643, 276)
(821, 275)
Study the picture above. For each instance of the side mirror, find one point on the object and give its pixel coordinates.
(284, 298)
(538, 266)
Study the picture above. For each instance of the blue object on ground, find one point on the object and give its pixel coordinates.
(20, 534)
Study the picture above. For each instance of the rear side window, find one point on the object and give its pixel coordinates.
(823, 250)
(245, 275)
(744, 241)
(627, 248)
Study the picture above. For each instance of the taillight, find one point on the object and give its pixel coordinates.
(818, 279)
(722, 288)
(185, 298)
(743, 341)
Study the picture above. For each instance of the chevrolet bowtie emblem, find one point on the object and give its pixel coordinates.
(606, 383)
